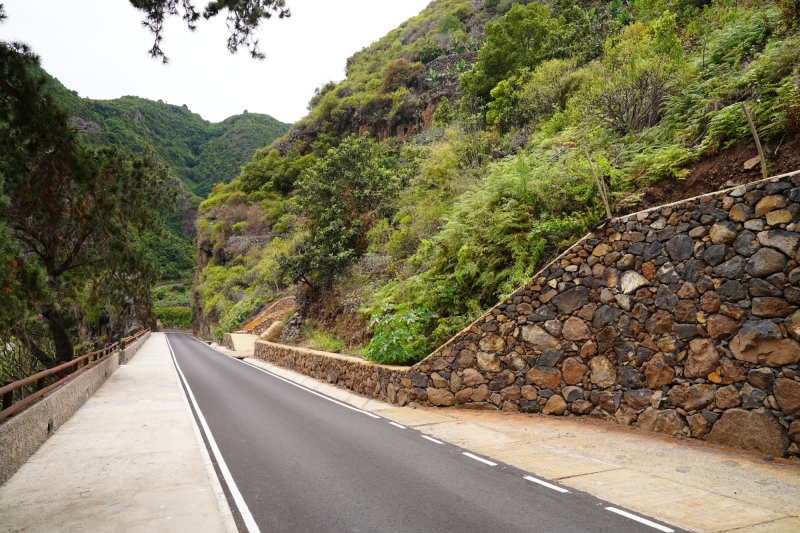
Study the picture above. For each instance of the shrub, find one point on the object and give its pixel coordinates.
(640, 69)
(449, 23)
(319, 339)
(400, 73)
(529, 96)
(240, 227)
(399, 335)
(517, 40)
(427, 49)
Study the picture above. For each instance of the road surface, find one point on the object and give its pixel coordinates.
(293, 460)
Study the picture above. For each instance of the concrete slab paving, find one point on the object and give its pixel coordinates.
(128, 460)
(784, 525)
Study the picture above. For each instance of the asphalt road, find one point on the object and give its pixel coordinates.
(298, 461)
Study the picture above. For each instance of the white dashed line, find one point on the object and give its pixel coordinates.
(481, 459)
(640, 519)
(432, 439)
(546, 484)
(395, 424)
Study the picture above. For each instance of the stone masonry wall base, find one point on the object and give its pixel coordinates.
(683, 319)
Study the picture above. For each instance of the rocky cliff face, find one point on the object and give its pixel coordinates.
(682, 319)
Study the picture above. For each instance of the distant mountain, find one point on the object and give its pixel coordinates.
(199, 154)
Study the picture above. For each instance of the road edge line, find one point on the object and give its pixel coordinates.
(225, 511)
(312, 391)
(480, 459)
(238, 499)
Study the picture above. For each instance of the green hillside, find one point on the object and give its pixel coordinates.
(198, 152)
(199, 155)
(487, 121)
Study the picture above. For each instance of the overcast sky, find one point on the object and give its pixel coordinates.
(99, 48)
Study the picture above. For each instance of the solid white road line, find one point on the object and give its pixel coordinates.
(640, 519)
(432, 439)
(395, 424)
(238, 499)
(290, 382)
(546, 484)
(481, 459)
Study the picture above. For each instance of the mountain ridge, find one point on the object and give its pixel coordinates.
(185, 140)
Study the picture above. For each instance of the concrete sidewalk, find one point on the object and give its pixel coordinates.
(128, 460)
(692, 485)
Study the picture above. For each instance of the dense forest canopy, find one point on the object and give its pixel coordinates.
(487, 115)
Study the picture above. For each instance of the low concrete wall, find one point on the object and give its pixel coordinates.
(358, 375)
(23, 434)
(127, 354)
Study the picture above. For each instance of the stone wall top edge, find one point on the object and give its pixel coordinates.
(515, 291)
(331, 355)
(630, 216)
(771, 179)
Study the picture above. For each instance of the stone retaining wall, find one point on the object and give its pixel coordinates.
(22, 434)
(227, 341)
(682, 319)
(363, 377)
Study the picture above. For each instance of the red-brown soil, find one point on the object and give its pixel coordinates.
(720, 171)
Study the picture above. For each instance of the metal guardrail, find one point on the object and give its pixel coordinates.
(127, 341)
(63, 373)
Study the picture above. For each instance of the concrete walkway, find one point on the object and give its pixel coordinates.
(693, 485)
(128, 460)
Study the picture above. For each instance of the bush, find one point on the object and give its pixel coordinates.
(319, 339)
(517, 40)
(174, 316)
(400, 73)
(427, 49)
(640, 69)
(399, 335)
(528, 97)
(449, 23)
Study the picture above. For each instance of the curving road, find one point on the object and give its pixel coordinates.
(292, 459)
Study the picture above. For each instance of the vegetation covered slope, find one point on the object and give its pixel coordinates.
(487, 121)
(198, 154)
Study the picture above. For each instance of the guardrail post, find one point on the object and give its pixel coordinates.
(8, 398)
(40, 383)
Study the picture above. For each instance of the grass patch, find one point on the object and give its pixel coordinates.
(319, 339)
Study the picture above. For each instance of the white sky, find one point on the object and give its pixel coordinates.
(99, 48)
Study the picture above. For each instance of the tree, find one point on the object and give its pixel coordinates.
(517, 40)
(342, 196)
(74, 216)
(243, 18)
